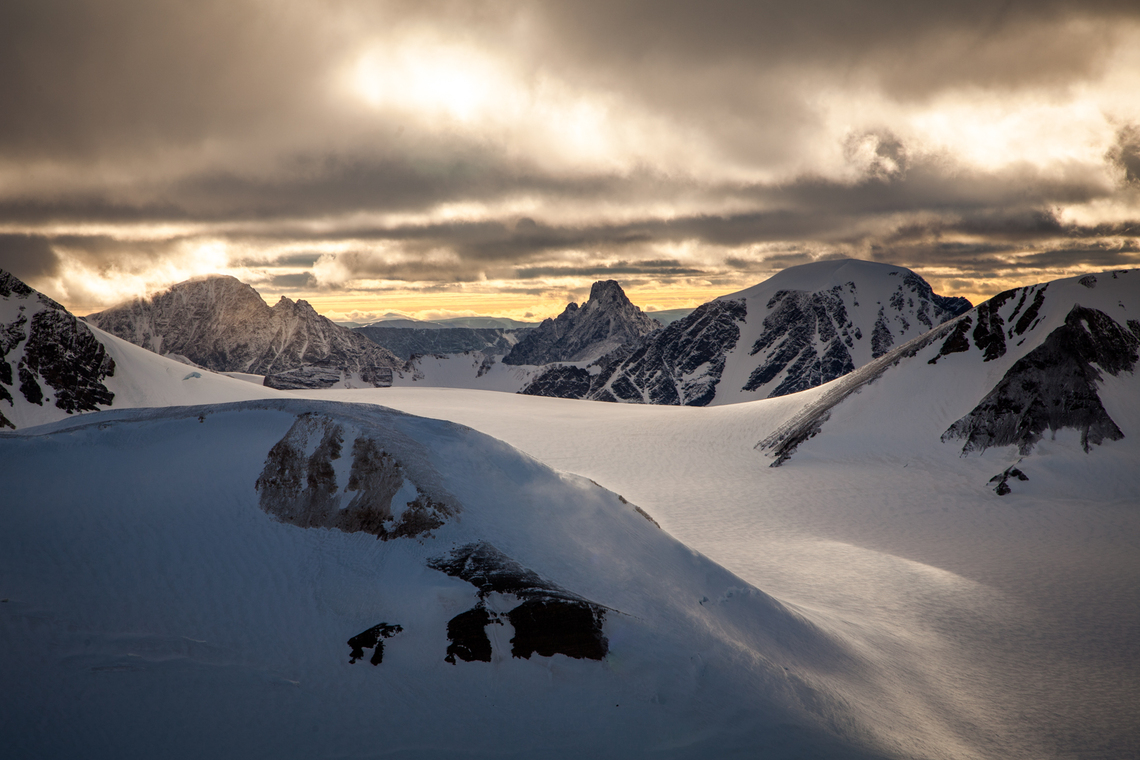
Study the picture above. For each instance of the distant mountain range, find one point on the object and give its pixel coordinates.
(801, 328)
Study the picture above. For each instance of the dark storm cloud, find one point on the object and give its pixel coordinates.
(228, 116)
(304, 280)
(651, 267)
(27, 256)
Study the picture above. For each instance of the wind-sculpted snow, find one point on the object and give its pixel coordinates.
(804, 327)
(302, 488)
(223, 324)
(583, 333)
(1053, 387)
(52, 356)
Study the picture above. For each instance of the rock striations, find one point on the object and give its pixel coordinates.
(804, 327)
(602, 324)
(223, 324)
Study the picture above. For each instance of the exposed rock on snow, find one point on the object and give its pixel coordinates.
(372, 639)
(1054, 386)
(603, 323)
(43, 346)
(549, 621)
(1002, 479)
(299, 485)
(804, 327)
(223, 324)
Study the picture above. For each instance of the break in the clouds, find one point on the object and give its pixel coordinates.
(416, 156)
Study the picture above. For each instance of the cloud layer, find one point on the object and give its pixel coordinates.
(385, 154)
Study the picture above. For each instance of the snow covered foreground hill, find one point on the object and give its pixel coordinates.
(220, 590)
(801, 328)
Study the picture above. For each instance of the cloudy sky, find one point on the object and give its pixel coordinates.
(498, 157)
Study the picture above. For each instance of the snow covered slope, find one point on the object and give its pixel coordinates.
(220, 591)
(222, 324)
(799, 329)
(583, 333)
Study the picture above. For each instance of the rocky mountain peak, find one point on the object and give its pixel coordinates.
(223, 324)
(582, 333)
(607, 291)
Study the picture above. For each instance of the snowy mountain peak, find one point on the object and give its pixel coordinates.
(801, 328)
(582, 333)
(223, 324)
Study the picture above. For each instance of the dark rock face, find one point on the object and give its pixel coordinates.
(59, 353)
(605, 322)
(467, 633)
(372, 639)
(1054, 386)
(554, 626)
(560, 382)
(991, 334)
(789, 338)
(550, 620)
(406, 342)
(223, 324)
(303, 490)
(679, 365)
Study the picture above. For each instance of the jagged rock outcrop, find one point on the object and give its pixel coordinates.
(406, 342)
(47, 355)
(222, 324)
(804, 327)
(603, 323)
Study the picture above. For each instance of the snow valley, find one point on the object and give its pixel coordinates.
(870, 522)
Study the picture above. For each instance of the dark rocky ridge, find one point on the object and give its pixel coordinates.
(59, 353)
(223, 324)
(603, 323)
